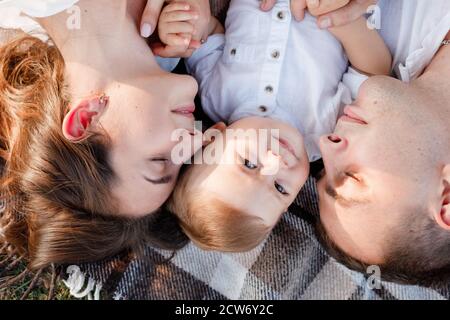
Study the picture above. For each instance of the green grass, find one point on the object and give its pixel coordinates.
(39, 292)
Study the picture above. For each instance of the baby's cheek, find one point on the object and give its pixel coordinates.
(300, 176)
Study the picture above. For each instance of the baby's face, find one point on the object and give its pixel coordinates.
(260, 166)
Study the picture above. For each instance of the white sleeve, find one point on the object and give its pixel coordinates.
(353, 80)
(413, 31)
(204, 59)
(18, 14)
(418, 60)
(38, 8)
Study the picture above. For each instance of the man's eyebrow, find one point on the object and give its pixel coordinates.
(345, 202)
(163, 180)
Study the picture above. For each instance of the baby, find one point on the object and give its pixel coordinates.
(266, 71)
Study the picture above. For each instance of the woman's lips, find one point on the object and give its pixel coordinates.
(187, 111)
(351, 116)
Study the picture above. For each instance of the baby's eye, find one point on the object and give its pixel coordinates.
(250, 165)
(280, 189)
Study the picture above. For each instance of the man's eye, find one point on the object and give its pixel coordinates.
(280, 189)
(353, 176)
(250, 165)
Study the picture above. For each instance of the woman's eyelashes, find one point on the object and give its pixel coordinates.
(158, 166)
(159, 159)
(281, 189)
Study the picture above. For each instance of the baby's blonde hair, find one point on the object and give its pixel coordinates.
(213, 224)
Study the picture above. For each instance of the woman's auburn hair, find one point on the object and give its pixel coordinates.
(212, 224)
(59, 208)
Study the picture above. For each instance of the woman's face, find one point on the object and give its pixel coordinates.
(140, 120)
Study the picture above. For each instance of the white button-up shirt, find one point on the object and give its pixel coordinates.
(269, 65)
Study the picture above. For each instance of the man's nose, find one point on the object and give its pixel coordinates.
(333, 143)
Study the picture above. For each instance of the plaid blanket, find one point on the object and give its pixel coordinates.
(290, 264)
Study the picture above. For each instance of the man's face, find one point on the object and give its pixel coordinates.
(378, 168)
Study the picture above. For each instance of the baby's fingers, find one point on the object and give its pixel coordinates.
(179, 27)
(176, 6)
(176, 40)
(267, 5)
(170, 51)
(298, 8)
(312, 4)
(176, 16)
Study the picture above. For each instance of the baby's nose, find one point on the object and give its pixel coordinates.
(271, 163)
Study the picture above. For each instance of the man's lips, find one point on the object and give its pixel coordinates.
(185, 111)
(351, 116)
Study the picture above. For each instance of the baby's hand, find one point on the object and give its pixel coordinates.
(176, 29)
(315, 7)
(298, 7)
(325, 6)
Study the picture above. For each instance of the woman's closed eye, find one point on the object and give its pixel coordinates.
(281, 189)
(158, 171)
(158, 165)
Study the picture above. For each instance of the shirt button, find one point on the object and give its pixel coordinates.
(268, 89)
(275, 54)
(281, 15)
(263, 108)
(233, 52)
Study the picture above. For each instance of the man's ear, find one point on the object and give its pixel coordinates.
(83, 117)
(443, 215)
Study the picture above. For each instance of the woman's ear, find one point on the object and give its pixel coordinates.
(443, 215)
(83, 117)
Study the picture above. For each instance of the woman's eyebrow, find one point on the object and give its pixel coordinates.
(163, 180)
